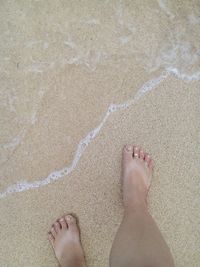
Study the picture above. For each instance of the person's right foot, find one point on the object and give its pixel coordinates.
(137, 168)
(65, 240)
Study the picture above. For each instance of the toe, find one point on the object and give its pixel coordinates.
(147, 158)
(136, 152)
(63, 223)
(71, 222)
(151, 164)
(57, 227)
(128, 152)
(141, 154)
(53, 232)
(51, 238)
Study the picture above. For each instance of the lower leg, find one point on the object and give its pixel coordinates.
(138, 242)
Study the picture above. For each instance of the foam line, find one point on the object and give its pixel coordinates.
(186, 77)
(56, 175)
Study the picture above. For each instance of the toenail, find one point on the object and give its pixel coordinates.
(69, 218)
(61, 219)
(128, 148)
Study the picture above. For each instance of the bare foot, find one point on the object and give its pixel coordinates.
(65, 240)
(137, 169)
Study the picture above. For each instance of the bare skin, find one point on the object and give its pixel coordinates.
(137, 170)
(138, 242)
(65, 240)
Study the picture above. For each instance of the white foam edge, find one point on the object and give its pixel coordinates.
(56, 175)
(184, 76)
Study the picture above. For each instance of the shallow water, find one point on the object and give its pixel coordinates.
(69, 69)
(162, 35)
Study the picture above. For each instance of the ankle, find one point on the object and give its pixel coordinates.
(138, 205)
(73, 263)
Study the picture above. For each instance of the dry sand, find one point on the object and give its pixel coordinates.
(62, 64)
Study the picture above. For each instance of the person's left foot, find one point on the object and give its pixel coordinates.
(65, 240)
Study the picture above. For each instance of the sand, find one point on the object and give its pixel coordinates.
(78, 81)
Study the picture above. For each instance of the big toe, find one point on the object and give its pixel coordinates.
(128, 152)
(72, 224)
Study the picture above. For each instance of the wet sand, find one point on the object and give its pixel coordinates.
(63, 66)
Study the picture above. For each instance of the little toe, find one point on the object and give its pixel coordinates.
(151, 164)
(57, 227)
(147, 158)
(53, 232)
(136, 152)
(51, 238)
(128, 152)
(63, 223)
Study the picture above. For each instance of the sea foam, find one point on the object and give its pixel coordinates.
(56, 175)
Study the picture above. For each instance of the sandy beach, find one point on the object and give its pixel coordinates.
(78, 81)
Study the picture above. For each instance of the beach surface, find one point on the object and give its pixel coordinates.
(79, 79)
